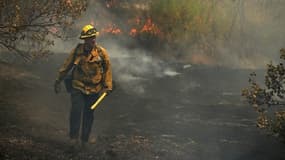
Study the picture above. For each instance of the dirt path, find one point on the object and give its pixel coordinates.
(167, 124)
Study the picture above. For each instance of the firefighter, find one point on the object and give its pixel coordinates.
(87, 74)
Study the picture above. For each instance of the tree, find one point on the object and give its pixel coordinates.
(269, 100)
(196, 24)
(27, 27)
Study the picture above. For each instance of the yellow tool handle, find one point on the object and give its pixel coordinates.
(99, 100)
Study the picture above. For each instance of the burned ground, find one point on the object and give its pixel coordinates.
(197, 114)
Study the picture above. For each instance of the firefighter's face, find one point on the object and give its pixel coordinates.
(90, 41)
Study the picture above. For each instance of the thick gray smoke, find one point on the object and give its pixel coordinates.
(134, 68)
(256, 34)
(254, 40)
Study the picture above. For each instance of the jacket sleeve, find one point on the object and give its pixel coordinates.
(67, 65)
(108, 72)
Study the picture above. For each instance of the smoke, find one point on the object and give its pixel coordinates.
(96, 14)
(253, 41)
(133, 69)
(255, 32)
(194, 95)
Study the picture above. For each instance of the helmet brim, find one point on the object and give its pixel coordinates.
(90, 35)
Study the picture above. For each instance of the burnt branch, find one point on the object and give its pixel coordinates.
(26, 27)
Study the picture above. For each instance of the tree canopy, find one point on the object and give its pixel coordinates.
(27, 27)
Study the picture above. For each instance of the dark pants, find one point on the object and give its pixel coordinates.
(80, 107)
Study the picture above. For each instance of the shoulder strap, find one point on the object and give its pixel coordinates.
(100, 52)
(78, 48)
(104, 65)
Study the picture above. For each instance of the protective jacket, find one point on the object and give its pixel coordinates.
(91, 72)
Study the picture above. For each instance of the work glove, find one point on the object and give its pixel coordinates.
(108, 91)
(57, 87)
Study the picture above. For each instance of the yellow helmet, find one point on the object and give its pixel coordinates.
(88, 31)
